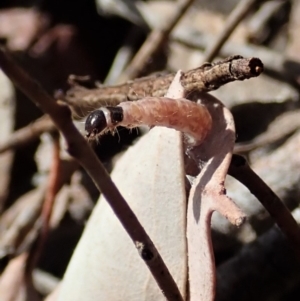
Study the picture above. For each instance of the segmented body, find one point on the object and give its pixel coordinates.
(181, 114)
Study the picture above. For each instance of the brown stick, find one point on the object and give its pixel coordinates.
(203, 79)
(48, 204)
(240, 170)
(79, 149)
(275, 63)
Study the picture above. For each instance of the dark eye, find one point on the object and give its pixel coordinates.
(95, 123)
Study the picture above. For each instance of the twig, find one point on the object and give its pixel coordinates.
(275, 63)
(154, 42)
(203, 79)
(52, 189)
(236, 16)
(53, 185)
(27, 134)
(79, 149)
(240, 170)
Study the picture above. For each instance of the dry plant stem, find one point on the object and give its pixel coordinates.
(203, 79)
(154, 42)
(52, 189)
(237, 15)
(53, 185)
(240, 170)
(276, 64)
(27, 134)
(79, 149)
(207, 195)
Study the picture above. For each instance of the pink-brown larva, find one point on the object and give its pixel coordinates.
(180, 114)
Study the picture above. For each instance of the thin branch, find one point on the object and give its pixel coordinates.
(203, 79)
(154, 42)
(48, 204)
(79, 149)
(240, 170)
(236, 16)
(275, 63)
(52, 184)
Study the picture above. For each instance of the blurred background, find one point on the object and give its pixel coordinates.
(99, 38)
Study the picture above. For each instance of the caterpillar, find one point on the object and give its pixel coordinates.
(180, 114)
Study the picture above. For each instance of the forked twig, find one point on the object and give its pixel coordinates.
(78, 148)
